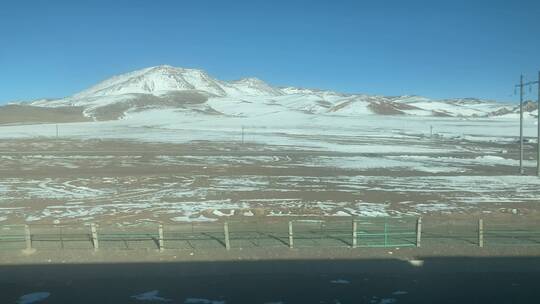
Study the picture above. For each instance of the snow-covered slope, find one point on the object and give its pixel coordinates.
(155, 80)
(194, 90)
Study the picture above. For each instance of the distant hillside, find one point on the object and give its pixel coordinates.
(194, 91)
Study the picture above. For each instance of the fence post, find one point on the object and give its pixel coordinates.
(354, 234)
(418, 231)
(480, 233)
(226, 231)
(95, 241)
(385, 233)
(291, 238)
(28, 238)
(161, 240)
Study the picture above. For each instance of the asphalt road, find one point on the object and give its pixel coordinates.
(437, 280)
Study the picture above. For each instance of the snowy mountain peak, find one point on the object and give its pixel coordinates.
(155, 80)
(255, 86)
(159, 80)
(250, 80)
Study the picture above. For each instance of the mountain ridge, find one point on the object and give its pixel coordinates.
(188, 89)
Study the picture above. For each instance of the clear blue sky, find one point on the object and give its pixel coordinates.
(433, 48)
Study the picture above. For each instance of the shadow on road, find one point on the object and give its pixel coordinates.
(426, 280)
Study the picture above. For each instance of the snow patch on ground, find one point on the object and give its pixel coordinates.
(484, 160)
(202, 301)
(433, 207)
(362, 163)
(368, 209)
(189, 219)
(150, 296)
(34, 297)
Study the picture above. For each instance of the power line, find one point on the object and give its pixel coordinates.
(521, 85)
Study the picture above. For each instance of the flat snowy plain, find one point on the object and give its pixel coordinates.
(165, 165)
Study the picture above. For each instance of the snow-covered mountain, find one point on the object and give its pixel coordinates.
(162, 79)
(156, 81)
(194, 90)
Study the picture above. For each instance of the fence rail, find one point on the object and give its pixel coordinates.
(329, 232)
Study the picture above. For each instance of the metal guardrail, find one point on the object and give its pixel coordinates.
(369, 232)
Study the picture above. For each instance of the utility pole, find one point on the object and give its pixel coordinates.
(521, 85)
(538, 125)
(521, 124)
(56, 130)
(242, 135)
